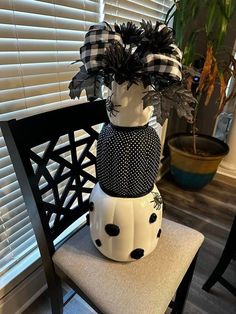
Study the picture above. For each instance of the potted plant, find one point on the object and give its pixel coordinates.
(195, 157)
(142, 68)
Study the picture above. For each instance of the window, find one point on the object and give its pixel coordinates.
(38, 42)
(121, 11)
(39, 39)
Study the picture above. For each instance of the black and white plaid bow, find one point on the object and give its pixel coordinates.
(98, 38)
(166, 64)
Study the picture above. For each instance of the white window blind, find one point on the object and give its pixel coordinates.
(121, 11)
(38, 42)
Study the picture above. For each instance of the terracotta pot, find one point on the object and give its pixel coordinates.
(192, 171)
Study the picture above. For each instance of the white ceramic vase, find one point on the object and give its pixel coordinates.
(125, 223)
(128, 106)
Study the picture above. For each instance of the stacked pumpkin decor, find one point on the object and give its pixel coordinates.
(142, 68)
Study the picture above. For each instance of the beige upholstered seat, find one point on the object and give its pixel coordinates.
(140, 287)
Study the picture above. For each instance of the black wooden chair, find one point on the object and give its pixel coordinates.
(228, 254)
(54, 159)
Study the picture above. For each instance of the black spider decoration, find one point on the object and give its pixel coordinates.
(157, 200)
(111, 107)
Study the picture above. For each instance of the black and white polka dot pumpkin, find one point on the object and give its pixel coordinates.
(125, 229)
(125, 206)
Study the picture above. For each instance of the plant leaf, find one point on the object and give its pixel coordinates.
(174, 96)
(90, 82)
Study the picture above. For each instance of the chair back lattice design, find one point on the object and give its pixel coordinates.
(54, 156)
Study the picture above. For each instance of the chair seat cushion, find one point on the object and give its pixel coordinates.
(143, 286)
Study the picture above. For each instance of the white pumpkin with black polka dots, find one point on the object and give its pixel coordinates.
(125, 229)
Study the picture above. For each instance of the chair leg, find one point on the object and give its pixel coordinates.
(56, 296)
(182, 291)
(217, 272)
(227, 255)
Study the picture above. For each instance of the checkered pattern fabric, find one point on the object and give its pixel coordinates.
(98, 38)
(165, 64)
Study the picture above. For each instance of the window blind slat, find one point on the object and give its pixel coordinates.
(12, 211)
(35, 110)
(148, 8)
(137, 17)
(34, 7)
(34, 80)
(90, 5)
(50, 9)
(5, 171)
(23, 103)
(10, 188)
(26, 92)
(38, 57)
(9, 260)
(5, 161)
(15, 237)
(14, 233)
(27, 19)
(5, 4)
(19, 250)
(8, 44)
(8, 179)
(145, 5)
(13, 203)
(5, 199)
(32, 32)
(3, 152)
(12, 223)
(33, 97)
(122, 11)
(44, 89)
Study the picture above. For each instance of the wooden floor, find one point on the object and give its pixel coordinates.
(210, 211)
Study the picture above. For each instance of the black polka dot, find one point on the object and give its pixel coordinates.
(91, 206)
(137, 253)
(112, 230)
(152, 218)
(98, 242)
(159, 233)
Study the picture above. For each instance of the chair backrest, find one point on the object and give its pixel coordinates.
(53, 155)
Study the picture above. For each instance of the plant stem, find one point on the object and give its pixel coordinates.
(194, 128)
